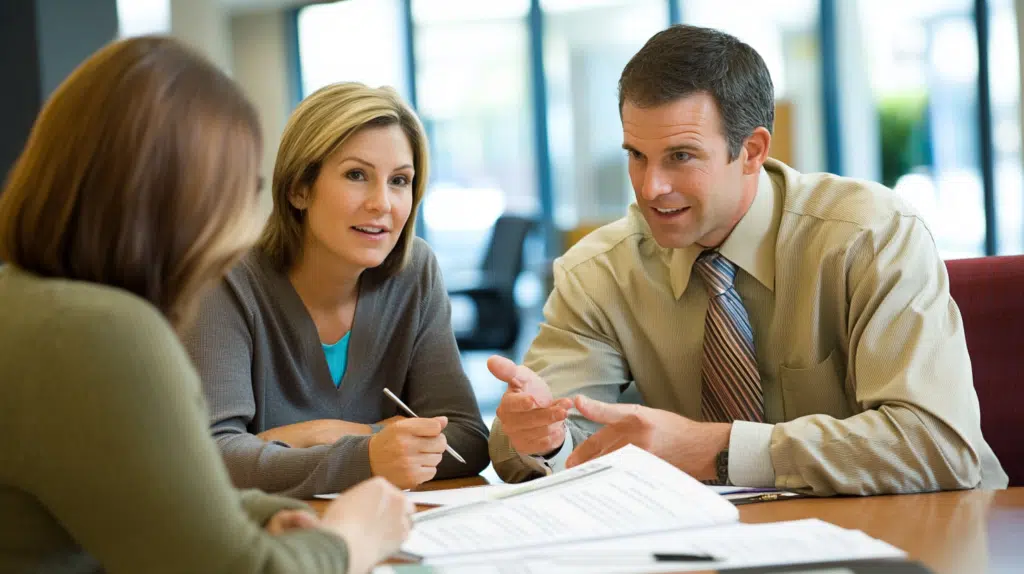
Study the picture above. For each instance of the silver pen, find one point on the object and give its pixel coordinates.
(402, 405)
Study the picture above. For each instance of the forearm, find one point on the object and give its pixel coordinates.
(906, 450)
(260, 506)
(509, 464)
(305, 550)
(315, 432)
(468, 436)
(295, 472)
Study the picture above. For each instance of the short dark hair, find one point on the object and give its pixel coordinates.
(685, 60)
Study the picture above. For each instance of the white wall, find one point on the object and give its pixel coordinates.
(251, 46)
(260, 52)
(203, 24)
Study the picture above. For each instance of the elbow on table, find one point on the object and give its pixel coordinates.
(476, 455)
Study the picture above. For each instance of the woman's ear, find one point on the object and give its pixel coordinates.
(299, 198)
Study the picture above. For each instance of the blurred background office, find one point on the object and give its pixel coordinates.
(519, 101)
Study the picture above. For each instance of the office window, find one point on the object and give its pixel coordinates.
(586, 45)
(1004, 86)
(141, 17)
(921, 62)
(473, 92)
(356, 40)
(785, 34)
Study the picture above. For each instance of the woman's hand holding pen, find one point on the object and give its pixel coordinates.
(407, 452)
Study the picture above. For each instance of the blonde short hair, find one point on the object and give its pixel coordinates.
(317, 128)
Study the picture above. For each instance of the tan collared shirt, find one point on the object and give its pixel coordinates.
(866, 377)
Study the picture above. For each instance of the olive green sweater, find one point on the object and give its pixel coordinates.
(106, 462)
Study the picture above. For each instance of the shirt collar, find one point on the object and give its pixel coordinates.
(751, 245)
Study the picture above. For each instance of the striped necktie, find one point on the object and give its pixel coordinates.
(731, 384)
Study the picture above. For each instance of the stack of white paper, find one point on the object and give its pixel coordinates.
(618, 513)
(625, 493)
(731, 546)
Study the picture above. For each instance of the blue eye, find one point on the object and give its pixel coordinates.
(355, 175)
(681, 156)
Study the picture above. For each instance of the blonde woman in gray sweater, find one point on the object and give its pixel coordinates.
(338, 301)
(135, 191)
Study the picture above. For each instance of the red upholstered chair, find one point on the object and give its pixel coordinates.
(990, 294)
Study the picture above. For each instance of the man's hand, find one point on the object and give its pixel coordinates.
(284, 520)
(689, 445)
(531, 418)
(407, 452)
(313, 433)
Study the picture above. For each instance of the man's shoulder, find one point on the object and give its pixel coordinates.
(617, 243)
(831, 199)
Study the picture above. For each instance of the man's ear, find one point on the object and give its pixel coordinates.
(299, 198)
(755, 150)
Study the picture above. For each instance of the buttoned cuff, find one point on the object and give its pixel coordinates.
(554, 463)
(750, 455)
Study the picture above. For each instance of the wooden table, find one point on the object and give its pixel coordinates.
(974, 531)
(319, 505)
(951, 532)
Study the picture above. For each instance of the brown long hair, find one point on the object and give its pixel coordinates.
(318, 127)
(140, 173)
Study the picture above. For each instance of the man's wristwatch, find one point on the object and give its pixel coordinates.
(722, 467)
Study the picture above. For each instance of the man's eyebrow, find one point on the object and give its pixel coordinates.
(671, 149)
(684, 147)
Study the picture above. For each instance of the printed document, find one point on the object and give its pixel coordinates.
(625, 493)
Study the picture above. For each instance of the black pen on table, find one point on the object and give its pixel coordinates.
(405, 408)
(628, 556)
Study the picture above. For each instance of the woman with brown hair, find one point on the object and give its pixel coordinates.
(338, 302)
(135, 191)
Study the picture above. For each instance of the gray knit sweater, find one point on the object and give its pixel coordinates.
(262, 366)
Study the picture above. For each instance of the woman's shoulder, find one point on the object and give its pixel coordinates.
(253, 268)
(107, 315)
(253, 279)
(416, 280)
(79, 303)
(422, 265)
(82, 319)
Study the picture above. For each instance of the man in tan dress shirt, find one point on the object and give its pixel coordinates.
(784, 329)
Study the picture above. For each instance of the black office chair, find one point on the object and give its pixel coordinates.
(492, 290)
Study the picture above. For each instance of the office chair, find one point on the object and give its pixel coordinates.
(988, 292)
(493, 290)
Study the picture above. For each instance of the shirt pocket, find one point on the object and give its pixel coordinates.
(817, 390)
